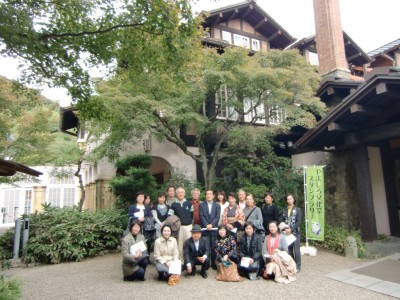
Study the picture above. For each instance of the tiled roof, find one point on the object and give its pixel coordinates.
(384, 49)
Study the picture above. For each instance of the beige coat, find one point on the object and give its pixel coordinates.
(129, 262)
(283, 266)
(165, 250)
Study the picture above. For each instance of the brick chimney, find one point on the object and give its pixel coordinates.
(329, 39)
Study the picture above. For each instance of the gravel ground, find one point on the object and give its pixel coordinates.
(101, 278)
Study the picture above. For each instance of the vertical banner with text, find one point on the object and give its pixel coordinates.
(315, 202)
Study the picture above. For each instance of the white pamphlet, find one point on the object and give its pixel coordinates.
(245, 262)
(175, 267)
(138, 246)
(290, 238)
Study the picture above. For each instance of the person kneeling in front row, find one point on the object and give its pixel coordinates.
(134, 264)
(195, 252)
(165, 251)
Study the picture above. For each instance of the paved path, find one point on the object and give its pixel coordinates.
(101, 278)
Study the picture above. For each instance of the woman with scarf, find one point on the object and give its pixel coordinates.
(233, 217)
(278, 263)
(250, 253)
(160, 212)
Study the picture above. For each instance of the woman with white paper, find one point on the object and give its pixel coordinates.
(166, 253)
(135, 257)
(250, 253)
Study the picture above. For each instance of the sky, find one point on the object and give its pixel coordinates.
(371, 24)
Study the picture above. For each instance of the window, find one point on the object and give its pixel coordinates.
(227, 36)
(242, 41)
(313, 58)
(28, 202)
(10, 208)
(276, 115)
(255, 45)
(254, 113)
(222, 100)
(62, 191)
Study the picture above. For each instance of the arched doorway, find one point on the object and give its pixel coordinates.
(160, 169)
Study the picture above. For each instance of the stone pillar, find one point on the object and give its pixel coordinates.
(364, 191)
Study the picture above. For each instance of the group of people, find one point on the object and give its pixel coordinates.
(210, 233)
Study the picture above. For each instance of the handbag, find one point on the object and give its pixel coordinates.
(149, 224)
(228, 273)
(174, 279)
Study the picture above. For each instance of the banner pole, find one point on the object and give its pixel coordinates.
(305, 203)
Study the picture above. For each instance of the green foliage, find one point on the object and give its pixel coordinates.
(133, 175)
(6, 245)
(59, 41)
(162, 103)
(138, 160)
(335, 240)
(9, 289)
(180, 178)
(66, 234)
(29, 128)
(252, 165)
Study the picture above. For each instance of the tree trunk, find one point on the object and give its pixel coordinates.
(82, 188)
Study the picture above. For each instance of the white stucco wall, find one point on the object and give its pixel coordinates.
(105, 170)
(378, 191)
(309, 159)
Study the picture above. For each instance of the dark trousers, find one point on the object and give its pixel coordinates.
(139, 273)
(212, 255)
(294, 251)
(204, 266)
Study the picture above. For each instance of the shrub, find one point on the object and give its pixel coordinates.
(6, 244)
(133, 175)
(335, 240)
(9, 289)
(66, 234)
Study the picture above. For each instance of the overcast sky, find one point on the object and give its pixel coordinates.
(371, 24)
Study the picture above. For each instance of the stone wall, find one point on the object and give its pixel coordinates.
(341, 203)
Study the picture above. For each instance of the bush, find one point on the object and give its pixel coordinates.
(133, 175)
(335, 240)
(66, 234)
(6, 245)
(9, 289)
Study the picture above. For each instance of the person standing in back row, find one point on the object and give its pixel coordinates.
(291, 216)
(210, 212)
(183, 209)
(269, 211)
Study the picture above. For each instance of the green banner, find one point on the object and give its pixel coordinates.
(315, 203)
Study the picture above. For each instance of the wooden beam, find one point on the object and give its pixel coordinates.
(372, 111)
(259, 24)
(354, 56)
(276, 34)
(218, 19)
(341, 127)
(249, 9)
(381, 88)
(371, 135)
(234, 14)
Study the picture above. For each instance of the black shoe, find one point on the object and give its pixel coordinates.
(192, 274)
(204, 274)
(142, 279)
(214, 267)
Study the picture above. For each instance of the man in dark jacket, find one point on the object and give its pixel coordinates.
(210, 213)
(196, 251)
